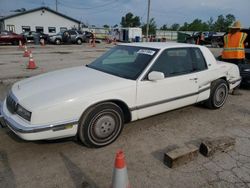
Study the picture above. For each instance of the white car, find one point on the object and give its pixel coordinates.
(129, 82)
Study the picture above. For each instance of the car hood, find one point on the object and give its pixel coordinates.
(67, 84)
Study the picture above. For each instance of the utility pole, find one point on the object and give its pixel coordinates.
(147, 21)
(56, 6)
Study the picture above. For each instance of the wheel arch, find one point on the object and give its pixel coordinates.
(78, 38)
(224, 78)
(124, 107)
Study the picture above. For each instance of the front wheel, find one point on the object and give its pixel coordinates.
(57, 41)
(101, 125)
(218, 94)
(79, 41)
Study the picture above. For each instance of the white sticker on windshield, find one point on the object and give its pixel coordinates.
(147, 52)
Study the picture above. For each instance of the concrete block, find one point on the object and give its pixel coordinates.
(180, 156)
(220, 144)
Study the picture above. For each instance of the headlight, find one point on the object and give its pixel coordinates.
(246, 70)
(23, 112)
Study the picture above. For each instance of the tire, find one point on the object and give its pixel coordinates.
(101, 125)
(218, 94)
(79, 41)
(57, 41)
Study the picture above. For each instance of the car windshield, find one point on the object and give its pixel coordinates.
(124, 61)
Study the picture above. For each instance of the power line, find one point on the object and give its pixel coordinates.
(115, 5)
(86, 8)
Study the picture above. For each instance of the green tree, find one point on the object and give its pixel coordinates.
(106, 26)
(164, 27)
(129, 20)
(230, 19)
(222, 23)
(184, 27)
(210, 24)
(152, 27)
(198, 25)
(175, 27)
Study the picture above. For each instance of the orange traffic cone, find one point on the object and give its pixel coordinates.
(120, 174)
(31, 64)
(26, 52)
(20, 44)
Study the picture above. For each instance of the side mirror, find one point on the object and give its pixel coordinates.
(155, 75)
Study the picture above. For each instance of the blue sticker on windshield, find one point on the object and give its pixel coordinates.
(147, 52)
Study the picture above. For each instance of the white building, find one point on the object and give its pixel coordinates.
(41, 19)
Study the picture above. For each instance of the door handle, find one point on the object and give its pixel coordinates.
(193, 79)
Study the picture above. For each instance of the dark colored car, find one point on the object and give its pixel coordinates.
(30, 36)
(11, 37)
(247, 48)
(68, 37)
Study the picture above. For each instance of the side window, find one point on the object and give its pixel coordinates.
(198, 60)
(174, 62)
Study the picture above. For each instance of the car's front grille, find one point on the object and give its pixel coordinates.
(11, 104)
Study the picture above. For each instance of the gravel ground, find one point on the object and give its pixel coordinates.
(66, 163)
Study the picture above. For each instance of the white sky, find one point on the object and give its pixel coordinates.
(100, 12)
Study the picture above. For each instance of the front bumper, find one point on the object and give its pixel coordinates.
(36, 132)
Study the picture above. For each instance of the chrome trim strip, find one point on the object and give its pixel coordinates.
(169, 100)
(21, 129)
(234, 81)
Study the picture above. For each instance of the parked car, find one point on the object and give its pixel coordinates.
(209, 38)
(11, 37)
(129, 82)
(56, 39)
(29, 35)
(68, 37)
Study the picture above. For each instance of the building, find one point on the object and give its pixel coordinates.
(41, 19)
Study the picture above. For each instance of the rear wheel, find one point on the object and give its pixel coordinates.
(218, 94)
(101, 125)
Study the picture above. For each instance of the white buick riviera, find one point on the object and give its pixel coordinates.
(127, 83)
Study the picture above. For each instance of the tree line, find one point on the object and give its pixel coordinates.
(221, 24)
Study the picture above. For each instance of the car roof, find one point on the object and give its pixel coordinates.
(159, 45)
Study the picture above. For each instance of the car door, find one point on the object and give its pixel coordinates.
(72, 35)
(178, 88)
(204, 75)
